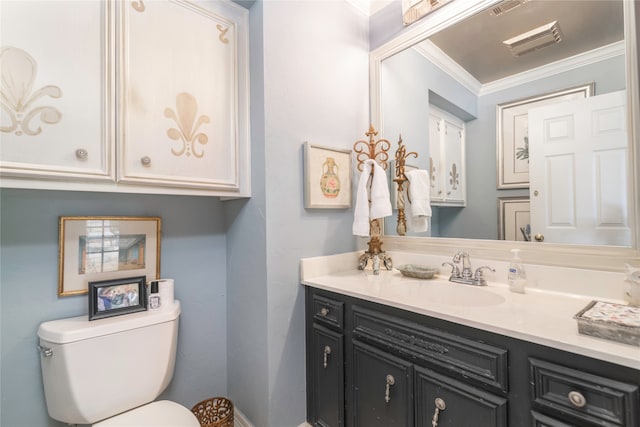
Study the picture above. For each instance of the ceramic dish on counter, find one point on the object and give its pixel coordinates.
(417, 271)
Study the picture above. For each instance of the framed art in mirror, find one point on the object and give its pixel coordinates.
(327, 177)
(514, 219)
(98, 248)
(109, 298)
(513, 133)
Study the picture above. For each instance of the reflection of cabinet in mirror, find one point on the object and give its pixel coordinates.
(447, 169)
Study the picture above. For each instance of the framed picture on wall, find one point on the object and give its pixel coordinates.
(514, 219)
(327, 177)
(95, 248)
(513, 133)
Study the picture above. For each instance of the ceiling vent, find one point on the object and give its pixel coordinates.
(412, 10)
(506, 6)
(535, 39)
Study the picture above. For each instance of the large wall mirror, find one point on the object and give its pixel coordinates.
(510, 71)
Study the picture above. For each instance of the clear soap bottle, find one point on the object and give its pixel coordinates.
(517, 277)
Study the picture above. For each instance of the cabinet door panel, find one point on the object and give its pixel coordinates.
(327, 365)
(463, 405)
(56, 72)
(179, 118)
(382, 388)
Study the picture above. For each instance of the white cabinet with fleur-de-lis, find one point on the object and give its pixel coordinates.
(447, 169)
(138, 96)
(56, 75)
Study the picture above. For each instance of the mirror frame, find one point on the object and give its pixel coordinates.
(609, 258)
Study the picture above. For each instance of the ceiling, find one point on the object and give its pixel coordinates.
(476, 43)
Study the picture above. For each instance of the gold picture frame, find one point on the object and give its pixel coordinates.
(327, 177)
(512, 133)
(96, 248)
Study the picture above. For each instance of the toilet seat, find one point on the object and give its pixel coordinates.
(160, 413)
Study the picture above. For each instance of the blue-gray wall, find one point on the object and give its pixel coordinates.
(193, 253)
(235, 263)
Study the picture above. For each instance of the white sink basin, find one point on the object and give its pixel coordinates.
(461, 295)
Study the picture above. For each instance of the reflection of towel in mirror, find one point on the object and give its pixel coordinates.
(380, 200)
(420, 200)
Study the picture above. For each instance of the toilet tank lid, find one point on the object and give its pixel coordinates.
(80, 328)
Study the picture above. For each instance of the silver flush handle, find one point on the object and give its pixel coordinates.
(45, 351)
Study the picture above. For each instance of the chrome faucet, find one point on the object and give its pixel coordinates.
(466, 264)
(465, 275)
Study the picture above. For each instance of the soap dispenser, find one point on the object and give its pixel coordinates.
(517, 277)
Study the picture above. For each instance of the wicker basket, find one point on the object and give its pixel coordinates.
(214, 412)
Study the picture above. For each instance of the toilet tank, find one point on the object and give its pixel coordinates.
(95, 370)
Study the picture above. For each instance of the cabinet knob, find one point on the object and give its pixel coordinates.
(390, 381)
(440, 406)
(82, 154)
(577, 399)
(325, 354)
(539, 237)
(146, 161)
(324, 312)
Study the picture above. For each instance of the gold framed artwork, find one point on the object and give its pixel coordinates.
(513, 133)
(327, 177)
(514, 219)
(98, 248)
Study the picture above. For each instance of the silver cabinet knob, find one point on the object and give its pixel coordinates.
(82, 154)
(440, 406)
(324, 312)
(146, 161)
(577, 399)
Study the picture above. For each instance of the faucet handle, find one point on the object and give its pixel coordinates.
(478, 278)
(455, 272)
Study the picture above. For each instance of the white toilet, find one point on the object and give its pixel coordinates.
(108, 372)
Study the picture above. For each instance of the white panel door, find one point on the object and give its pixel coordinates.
(56, 107)
(570, 144)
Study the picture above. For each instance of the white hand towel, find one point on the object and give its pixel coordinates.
(419, 194)
(380, 199)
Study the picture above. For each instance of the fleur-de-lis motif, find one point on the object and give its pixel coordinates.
(454, 177)
(19, 71)
(185, 118)
(223, 33)
(432, 173)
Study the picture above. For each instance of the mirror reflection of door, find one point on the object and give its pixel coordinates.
(578, 171)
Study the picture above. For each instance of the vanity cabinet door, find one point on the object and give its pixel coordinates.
(382, 388)
(182, 119)
(56, 73)
(444, 402)
(327, 378)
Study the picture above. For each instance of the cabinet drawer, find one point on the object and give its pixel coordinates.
(540, 420)
(454, 403)
(586, 398)
(464, 357)
(328, 311)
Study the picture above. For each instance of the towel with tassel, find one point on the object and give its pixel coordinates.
(419, 194)
(380, 200)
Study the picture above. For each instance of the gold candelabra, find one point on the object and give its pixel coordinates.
(375, 150)
(400, 179)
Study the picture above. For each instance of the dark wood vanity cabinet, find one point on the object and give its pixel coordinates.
(371, 365)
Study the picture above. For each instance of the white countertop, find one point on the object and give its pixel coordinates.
(539, 316)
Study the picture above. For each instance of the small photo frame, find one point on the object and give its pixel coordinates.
(514, 219)
(513, 133)
(109, 298)
(327, 177)
(95, 248)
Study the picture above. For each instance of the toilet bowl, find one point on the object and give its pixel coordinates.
(108, 372)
